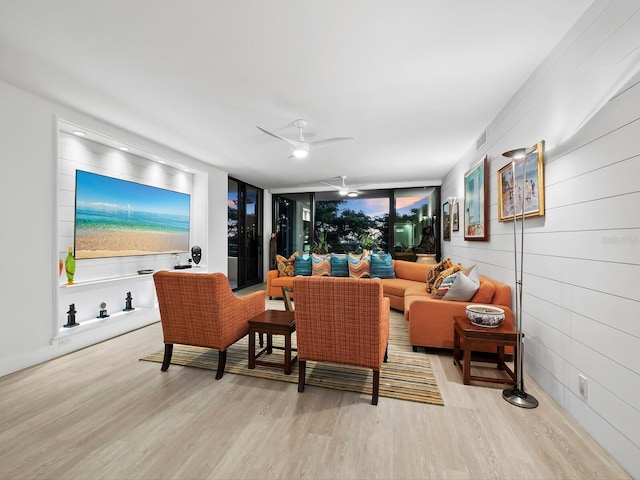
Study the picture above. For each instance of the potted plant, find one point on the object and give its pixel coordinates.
(368, 243)
(320, 246)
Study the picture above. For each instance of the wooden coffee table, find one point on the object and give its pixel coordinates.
(272, 322)
(471, 337)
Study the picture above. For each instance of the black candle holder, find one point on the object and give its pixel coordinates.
(103, 311)
(128, 303)
(71, 317)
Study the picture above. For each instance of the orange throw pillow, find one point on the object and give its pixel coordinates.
(484, 293)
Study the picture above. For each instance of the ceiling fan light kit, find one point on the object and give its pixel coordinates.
(301, 151)
(343, 189)
(301, 147)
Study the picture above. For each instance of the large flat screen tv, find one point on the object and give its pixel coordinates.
(117, 218)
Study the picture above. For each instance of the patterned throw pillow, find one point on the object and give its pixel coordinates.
(445, 274)
(339, 265)
(444, 287)
(320, 265)
(286, 266)
(381, 266)
(303, 266)
(432, 275)
(359, 266)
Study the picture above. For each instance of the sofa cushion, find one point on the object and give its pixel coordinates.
(280, 282)
(416, 290)
(359, 265)
(302, 266)
(435, 271)
(339, 265)
(399, 286)
(286, 266)
(382, 266)
(320, 265)
(463, 286)
(485, 292)
(411, 270)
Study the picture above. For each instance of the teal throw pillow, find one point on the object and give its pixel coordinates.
(381, 266)
(303, 266)
(339, 265)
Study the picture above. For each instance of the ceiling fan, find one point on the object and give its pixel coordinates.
(301, 147)
(344, 189)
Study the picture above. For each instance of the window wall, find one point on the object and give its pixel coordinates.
(415, 223)
(402, 221)
(344, 220)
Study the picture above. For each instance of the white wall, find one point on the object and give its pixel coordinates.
(77, 153)
(29, 219)
(582, 258)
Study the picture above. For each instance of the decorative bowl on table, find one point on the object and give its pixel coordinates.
(485, 315)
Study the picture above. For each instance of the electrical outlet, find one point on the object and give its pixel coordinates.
(582, 386)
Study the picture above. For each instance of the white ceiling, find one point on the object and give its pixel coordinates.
(415, 81)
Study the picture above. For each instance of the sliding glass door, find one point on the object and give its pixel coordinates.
(244, 234)
(292, 224)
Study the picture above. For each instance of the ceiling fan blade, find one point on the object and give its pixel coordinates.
(327, 141)
(291, 142)
(331, 185)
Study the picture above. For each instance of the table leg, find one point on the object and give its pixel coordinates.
(252, 349)
(466, 365)
(456, 345)
(500, 364)
(287, 353)
(269, 343)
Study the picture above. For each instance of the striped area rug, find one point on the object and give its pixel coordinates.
(407, 375)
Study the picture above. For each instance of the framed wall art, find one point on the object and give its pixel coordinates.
(455, 216)
(529, 186)
(476, 202)
(446, 221)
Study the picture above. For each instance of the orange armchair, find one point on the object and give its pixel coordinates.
(201, 310)
(341, 320)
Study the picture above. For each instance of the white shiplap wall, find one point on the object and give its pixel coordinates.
(31, 314)
(77, 153)
(583, 257)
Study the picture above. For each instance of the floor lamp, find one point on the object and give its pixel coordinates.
(516, 395)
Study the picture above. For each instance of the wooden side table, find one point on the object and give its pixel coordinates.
(272, 322)
(469, 336)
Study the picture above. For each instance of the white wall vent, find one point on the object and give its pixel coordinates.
(482, 140)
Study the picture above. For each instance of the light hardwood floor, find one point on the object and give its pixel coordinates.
(100, 413)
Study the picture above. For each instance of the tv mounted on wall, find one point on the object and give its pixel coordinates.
(117, 218)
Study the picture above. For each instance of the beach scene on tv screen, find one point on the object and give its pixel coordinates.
(116, 218)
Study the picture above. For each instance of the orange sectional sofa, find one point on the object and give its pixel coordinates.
(408, 274)
(430, 320)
